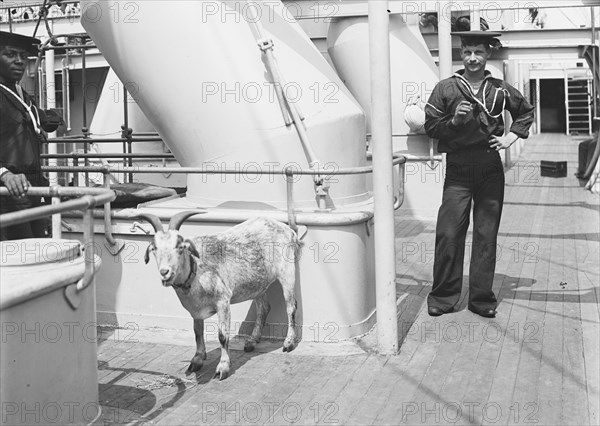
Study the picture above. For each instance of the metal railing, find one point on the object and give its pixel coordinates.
(289, 174)
(89, 198)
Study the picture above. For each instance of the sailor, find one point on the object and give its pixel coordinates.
(465, 113)
(22, 127)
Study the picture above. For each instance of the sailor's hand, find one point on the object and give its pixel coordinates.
(462, 111)
(17, 184)
(502, 142)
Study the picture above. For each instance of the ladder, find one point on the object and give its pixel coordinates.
(578, 102)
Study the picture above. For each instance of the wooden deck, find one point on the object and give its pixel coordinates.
(536, 362)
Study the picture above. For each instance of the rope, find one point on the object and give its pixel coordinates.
(482, 103)
(42, 14)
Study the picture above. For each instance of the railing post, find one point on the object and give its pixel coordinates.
(445, 40)
(475, 18)
(84, 127)
(75, 173)
(56, 218)
(289, 177)
(383, 181)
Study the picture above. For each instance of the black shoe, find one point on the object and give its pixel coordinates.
(435, 312)
(486, 313)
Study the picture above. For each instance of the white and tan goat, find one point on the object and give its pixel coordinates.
(211, 272)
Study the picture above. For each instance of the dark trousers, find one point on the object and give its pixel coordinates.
(477, 178)
(32, 229)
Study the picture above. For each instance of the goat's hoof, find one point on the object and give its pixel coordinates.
(193, 367)
(249, 346)
(289, 345)
(222, 370)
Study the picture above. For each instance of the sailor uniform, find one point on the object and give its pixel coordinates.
(474, 175)
(20, 144)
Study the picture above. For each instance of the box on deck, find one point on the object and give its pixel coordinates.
(553, 168)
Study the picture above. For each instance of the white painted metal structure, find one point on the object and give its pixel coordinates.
(227, 116)
(413, 73)
(48, 352)
(223, 113)
(383, 182)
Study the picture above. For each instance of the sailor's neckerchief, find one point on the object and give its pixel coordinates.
(465, 83)
(31, 109)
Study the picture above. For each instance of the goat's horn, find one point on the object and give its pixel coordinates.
(178, 219)
(154, 221)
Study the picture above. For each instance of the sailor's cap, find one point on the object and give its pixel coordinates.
(29, 44)
(489, 37)
(477, 34)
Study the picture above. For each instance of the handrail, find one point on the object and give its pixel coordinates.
(399, 159)
(108, 155)
(289, 173)
(80, 139)
(91, 198)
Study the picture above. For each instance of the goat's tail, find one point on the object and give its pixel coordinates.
(297, 241)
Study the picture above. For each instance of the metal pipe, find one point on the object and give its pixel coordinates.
(594, 66)
(423, 159)
(66, 92)
(289, 177)
(108, 155)
(107, 224)
(13, 218)
(125, 131)
(75, 139)
(312, 218)
(566, 86)
(201, 170)
(383, 182)
(445, 40)
(75, 175)
(40, 85)
(54, 192)
(84, 128)
(72, 46)
(475, 18)
(52, 149)
(266, 46)
(538, 107)
(59, 191)
(56, 220)
(399, 199)
(10, 28)
(88, 253)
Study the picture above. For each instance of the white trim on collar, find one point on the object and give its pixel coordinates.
(31, 109)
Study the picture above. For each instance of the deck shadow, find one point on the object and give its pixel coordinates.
(505, 287)
(133, 404)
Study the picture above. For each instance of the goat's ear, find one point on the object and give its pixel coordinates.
(148, 250)
(191, 247)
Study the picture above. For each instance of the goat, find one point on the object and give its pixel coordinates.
(208, 273)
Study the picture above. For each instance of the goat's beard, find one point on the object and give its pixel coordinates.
(169, 281)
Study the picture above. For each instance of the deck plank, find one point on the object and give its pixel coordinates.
(304, 395)
(537, 362)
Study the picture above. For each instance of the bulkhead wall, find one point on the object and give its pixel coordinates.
(197, 73)
(413, 72)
